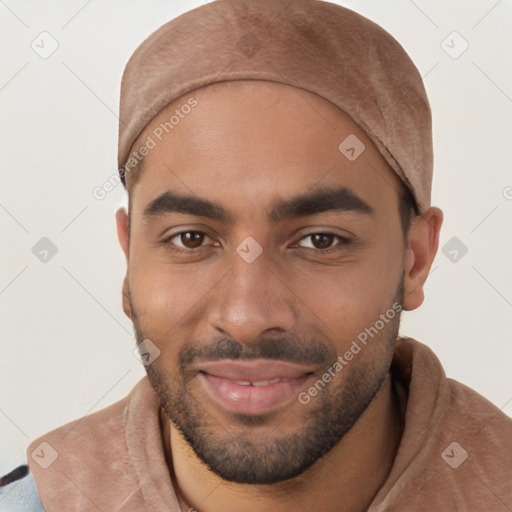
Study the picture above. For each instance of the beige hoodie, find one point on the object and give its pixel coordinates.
(455, 453)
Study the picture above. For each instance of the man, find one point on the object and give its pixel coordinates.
(278, 161)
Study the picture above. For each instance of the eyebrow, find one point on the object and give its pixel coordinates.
(319, 201)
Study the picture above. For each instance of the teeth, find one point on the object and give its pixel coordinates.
(258, 383)
(265, 382)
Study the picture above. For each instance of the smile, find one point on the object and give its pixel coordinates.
(252, 387)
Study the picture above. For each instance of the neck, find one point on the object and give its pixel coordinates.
(346, 478)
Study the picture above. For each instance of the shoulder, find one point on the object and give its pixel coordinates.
(472, 465)
(89, 436)
(90, 460)
(457, 445)
(485, 428)
(18, 491)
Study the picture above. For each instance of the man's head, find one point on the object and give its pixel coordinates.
(278, 162)
(290, 256)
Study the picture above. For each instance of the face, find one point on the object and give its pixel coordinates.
(267, 268)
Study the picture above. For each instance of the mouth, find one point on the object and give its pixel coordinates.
(252, 387)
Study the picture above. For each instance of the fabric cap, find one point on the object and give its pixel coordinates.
(310, 44)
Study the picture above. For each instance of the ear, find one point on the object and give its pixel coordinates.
(423, 241)
(123, 235)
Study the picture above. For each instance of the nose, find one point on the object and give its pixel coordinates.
(252, 298)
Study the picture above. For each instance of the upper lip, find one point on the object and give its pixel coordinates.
(255, 370)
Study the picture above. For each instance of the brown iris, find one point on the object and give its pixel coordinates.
(192, 239)
(325, 241)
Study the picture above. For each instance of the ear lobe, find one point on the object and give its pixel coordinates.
(423, 242)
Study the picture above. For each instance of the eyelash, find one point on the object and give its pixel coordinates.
(343, 242)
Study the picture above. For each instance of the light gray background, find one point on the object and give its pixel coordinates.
(67, 348)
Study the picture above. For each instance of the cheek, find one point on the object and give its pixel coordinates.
(347, 299)
(165, 296)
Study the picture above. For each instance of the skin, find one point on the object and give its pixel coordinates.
(246, 145)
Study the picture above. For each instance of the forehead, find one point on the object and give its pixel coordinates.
(257, 140)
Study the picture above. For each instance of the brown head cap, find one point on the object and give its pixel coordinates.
(310, 44)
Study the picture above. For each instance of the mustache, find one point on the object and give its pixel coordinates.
(280, 349)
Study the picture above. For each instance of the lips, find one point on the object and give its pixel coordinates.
(252, 387)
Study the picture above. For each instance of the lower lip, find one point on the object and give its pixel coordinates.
(242, 399)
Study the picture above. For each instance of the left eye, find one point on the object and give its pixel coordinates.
(188, 239)
(324, 241)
